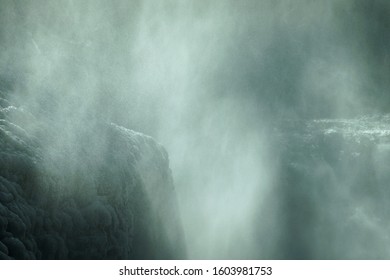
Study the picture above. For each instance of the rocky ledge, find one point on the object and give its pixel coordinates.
(106, 192)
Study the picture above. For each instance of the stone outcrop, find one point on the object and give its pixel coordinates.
(107, 194)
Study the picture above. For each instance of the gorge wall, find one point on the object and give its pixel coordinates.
(84, 200)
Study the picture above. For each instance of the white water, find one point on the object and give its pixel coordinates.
(212, 81)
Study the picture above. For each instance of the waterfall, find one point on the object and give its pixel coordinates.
(273, 112)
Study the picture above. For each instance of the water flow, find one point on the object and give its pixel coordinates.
(214, 82)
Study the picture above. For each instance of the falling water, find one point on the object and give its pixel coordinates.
(273, 113)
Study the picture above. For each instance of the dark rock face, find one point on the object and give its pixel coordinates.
(111, 200)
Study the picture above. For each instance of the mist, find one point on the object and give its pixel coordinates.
(254, 102)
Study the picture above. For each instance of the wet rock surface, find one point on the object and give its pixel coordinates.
(89, 201)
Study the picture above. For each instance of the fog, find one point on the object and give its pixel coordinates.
(215, 82)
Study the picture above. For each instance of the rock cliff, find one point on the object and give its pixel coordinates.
(106, 192)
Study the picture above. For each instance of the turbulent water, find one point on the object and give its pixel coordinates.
(335, 188)
(273, 114)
